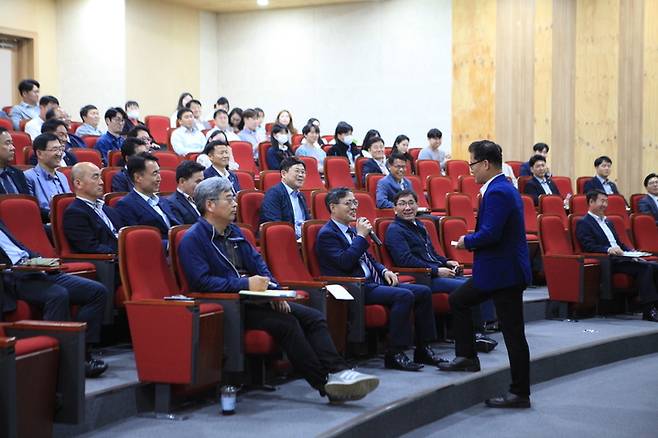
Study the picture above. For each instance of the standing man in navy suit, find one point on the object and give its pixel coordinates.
(501, 270)
(188, 175)
(142, 206)
(596, 234)
(540, 183)
(600, 181)
(649, 204)
(219, 153)
(12, 180)
(284, 202)
(91, 227)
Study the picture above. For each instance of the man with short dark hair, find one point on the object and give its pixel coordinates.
(596, 234)
(187, 137)
(197, 112)
(28, 108)
(539, 184)
(284, 202)
(600, 181)
(33, 127)
(112, 139)
(188, 175)
(58, 128)
(132, 146)
(392, 183)
(537, 149)
(223, 104)
(649, 204)
(248, 133)
(219, 154)
(90, 118)
(433, 149)
(221, 124)
(12, 180)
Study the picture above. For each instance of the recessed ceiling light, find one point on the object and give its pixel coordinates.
(262, 2)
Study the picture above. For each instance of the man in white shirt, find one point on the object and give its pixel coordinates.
(221, 123)
(90, 117)
(197, 111)
(33, 127)
(187, 137)
(28, 107)
(433, 149)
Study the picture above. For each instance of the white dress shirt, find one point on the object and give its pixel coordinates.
(606, 229)
(153, 202)
(484, 188)
(185, 140)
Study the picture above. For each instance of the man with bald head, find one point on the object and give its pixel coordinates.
(90, 225)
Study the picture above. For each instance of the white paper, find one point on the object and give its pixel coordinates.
(339, 292)
(270, 293)
(636, 254)
(454, 243)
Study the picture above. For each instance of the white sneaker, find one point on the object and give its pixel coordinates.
(349, 385)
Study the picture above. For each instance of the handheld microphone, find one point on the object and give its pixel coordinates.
(375, 239)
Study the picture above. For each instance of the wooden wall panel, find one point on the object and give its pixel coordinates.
(650, 90)
(514, 76)
(543, 38)
(473, 57)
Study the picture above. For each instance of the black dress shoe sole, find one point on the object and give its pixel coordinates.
(402, 368)
(469, 368)
(511, 404)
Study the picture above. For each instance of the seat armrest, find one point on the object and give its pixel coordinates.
(303, 284)
(213, 295)
(412, 270)
(329, 279)
(83, 256)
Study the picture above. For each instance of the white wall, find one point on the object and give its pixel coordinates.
(208, 93)
(384, 65)
(7, 73)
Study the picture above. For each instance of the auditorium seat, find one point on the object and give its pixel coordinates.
(245, 179)
(262, 155)
(460, 205)
(313, 179)
(268, 179)
(158, 126)
(358, 171)
(521, 182)
(111, 198)
(168, 182)
(437, 189)
(450, 230)
(89, 155)
(418, 187)
(371, 184)
(114, 159)
(68, 173)
(578, 205)
(564, 185)
(296, 139)
(22, 142)
(90, 140)
(249, 202)
(175, 342)
(580, 184)
(318, 206)
(107, 173)
(617, 206)
(645, 233)
(243, 155)
(516, 167)
(414, 152)
(167, 159)
(635, 202)
(470, 187)
(553, 205)
(426, 169)
(4, 123)
(455, 168)
(337, 173)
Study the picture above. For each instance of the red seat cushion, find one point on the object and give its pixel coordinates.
(440, 303)
(34, 344)
(531, 238)
(78, 266)
(591, 261)
(376, 316)
(23, 311)
(622, 281)
(209, 308)
(406, 279)
(258, 342)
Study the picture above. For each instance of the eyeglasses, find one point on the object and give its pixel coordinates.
(117, 120)
(405, 204)
(399, 166)
(473, 164)
(55, 149)
(350, 204)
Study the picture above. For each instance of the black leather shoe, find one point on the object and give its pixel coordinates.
(509, 400)
(400, 361)
(484, 344)
(651, 314)
(461, 364)
(427, 356)
(94, 368)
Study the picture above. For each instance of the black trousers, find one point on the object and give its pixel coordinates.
(55, 293)
(645, 274)
(509, 307)
(304, 336)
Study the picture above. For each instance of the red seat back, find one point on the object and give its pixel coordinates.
(337, 173)
(68, 173)
(107, 173)
(145, 273)
(645, 232)
(59, 204)
(617, 207)
(296, 139)
(455, 168)
(418, 188)
(553, 205)
(167, 159)
(245, 179)
(74, 127)
(367, 207)
(573, 223)
(459, 205)
(249, 234)
(176, 235)
(563, 184)
(620, 227)
(380, 227)
(21, 215)
(578, 205)
(6, 124)
(90, 140)
(269, 178)
(318, 207)
(158, 126)
(580, 184)
(452, 228)
(243, 155)
(426, 169)
(310, 231)
(313, 179)
(635, 202)
(430, 226)
(529, 214)
(22, 143)
(358, 171)
(553, 238)
(262, 154)
(470, 187)
(168, 183)
(114, 158)
(414, 152)
(521, 182)
(89, 155)
(249, 202)
(516, 167)
(112, 198)
(371, 183)
(281, 253)
(438, 187)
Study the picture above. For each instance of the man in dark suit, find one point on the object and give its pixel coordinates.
(53, 293)
(596, 234)
(188, 175)
(501, 270)
(141, 206)
(12, 180)
(376, 164)
(90, 226)
(219, 153)
(539, 184)
(395, 181)
(58, 128)
(121, 182)
(537, 149)
(600, 181)
(284, 202)
(649, 204)
(342, 250)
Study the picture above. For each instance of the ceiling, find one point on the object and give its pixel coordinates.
(250, 5)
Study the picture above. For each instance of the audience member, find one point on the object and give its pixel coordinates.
(284, 202)
(280, 148)
(12, 180)
(596, 234)
(344, 146)
(377, 161)
(261, 134)
(132, 116)
(121, 182)
(315, 122)
(365, 146)
(221, 124)
(197, 111)
(91, 227)
(43, 180)
(28, 108)
(433, 149)
(537, 149)
(285, 118)
(392, 183)
(219, 153)
(342, 250)
(214, 135)
(248, 132)
(401, 146)
(90, 117)
(58, 128)
(188, 175)
(539, 184)
(600, 181)
(187, 137)
(222, 104)
(310, 146)
(112, 139)
(235, 120)
(68, 140)
(219, 258)
(33, 127)
(183, 100)
(649, 204)
(143, 133)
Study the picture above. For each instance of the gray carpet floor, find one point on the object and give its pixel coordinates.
(616, 400)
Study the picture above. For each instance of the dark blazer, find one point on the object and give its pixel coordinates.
(134, 210)
(18, 178)
(534, 189)
(592, 238)
(275, 156)
(87, 232)
(595, 184)
(410, 246)
(182, 208)
(387, 188)
(277, 206)
(525, 169)
(8, 298)
(370, 166)
(648, 206)
(207, 269)
(341, 149)
(338, 257)
(211, 171)
(121, 182)
(501, 251)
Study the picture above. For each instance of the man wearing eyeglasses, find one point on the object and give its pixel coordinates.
(501, 270)
(394, 182)
(112, 139)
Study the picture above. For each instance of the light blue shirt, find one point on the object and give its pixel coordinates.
(85, 129)
(13, 251)
(23, 111)
(544, 185)
(251, 137)
(297, 209)
(44, 186)
(309, 150)
(606, 185)
(364, 266)
(153, 202)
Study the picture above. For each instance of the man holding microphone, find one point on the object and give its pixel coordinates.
(501, 271)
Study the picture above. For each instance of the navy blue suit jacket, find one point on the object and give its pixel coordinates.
(18, 178)
(136, 211)
(277, 206)
(501, 252)
(410, 246)
(525, 169)
(534, 189)
(595, 184)
(182, 208)
(592, 238)
(648, 206)
(121, 182)
(370, 166)
(86, 231)
(387, 188)
(275, 156)
(211, 171)
(207, 269)
(338, 257)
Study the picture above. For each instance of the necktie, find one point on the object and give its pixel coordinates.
(105, 218)
(7, 183)
(366, 260)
